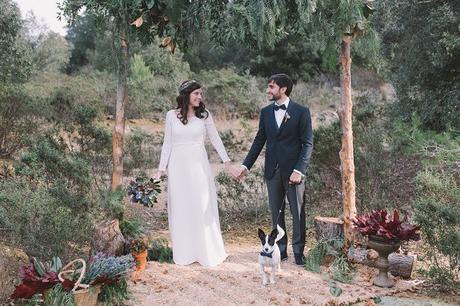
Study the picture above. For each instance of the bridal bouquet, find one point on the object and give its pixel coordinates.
(144, 191)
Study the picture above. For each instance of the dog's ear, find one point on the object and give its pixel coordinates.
(274, 233)
(261, 235)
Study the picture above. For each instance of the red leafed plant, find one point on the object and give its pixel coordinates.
(36, 278)
(382, 223)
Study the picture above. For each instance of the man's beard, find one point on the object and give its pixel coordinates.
(276, 97)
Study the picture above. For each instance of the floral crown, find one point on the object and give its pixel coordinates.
(187, 84)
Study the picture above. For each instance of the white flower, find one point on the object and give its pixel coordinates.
(286, 117)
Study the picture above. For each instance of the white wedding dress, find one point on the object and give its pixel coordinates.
(192, 201)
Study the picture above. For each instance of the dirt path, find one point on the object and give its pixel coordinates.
(237, 282)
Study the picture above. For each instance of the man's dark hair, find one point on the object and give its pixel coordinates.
(282, 80)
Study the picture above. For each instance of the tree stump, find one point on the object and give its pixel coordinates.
(400, 265)
(108, 239)
(328, 228)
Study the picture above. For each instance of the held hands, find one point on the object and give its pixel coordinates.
(237, 172)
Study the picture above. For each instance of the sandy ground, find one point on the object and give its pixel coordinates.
(237, 282)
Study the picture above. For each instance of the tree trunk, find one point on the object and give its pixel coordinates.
(119, 128)
(400, 265)
(107, 238)
(328, 228)
(346, 153)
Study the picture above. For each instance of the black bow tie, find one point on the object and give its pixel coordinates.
(266, 254)
(277, 107)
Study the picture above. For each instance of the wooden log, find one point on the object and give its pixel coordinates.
(400, 265)
(328, 228)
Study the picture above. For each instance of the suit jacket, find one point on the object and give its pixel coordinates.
(289, 147)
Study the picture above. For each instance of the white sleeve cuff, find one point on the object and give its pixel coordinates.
(295, 170)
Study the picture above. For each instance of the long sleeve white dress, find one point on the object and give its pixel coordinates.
(193, 215)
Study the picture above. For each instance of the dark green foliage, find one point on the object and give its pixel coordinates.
(242, 200)
(15, 53)
(58, 296)
(375, 162)
(160, 251)
(38, 220)
(82, 35)
(230, 94)
(436, 206)
(340, 269)
(16, 119)
(131, 228)
(138, 152)
(112, 203)
(437, 210)
(315, 257)
(232, 144)
(422, 44)
(114, 294)
(46, 160)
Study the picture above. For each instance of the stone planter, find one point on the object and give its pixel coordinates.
(384, 248)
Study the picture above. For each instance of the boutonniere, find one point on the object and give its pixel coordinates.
(286, 117)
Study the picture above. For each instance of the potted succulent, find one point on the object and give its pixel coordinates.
(385, 232)
(144, 191)
(138, 248)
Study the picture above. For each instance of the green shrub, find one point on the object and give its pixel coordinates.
(232, 144)
(437, 211)
(230, 94)
(247, 199)
(112, 204)
(37, 221)
(131, 228)
(140, 151)
(16, 119)
(437, 202)
(160, 251)
(340, 269)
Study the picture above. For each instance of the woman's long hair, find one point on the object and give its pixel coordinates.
(183, 100)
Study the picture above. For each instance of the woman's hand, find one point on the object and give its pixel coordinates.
(158, 175)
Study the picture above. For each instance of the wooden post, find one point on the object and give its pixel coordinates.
(346, 153)
(119, 128)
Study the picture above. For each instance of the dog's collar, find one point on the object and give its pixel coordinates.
(266, 254)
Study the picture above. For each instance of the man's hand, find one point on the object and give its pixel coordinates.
(242, 173)
(295, 178)
(238, 172)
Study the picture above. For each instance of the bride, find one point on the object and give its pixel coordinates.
(192, 201)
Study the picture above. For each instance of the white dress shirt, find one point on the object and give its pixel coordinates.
(279, 114)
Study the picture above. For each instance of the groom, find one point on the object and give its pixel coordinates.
(286, 128)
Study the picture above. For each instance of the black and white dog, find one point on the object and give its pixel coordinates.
(270, 255)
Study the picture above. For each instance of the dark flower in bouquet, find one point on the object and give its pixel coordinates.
(388, 226)
(144, 191)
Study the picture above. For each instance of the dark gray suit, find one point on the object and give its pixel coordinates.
(289, 147)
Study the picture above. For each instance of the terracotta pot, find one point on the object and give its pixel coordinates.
(141, 260)
(384, 248)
